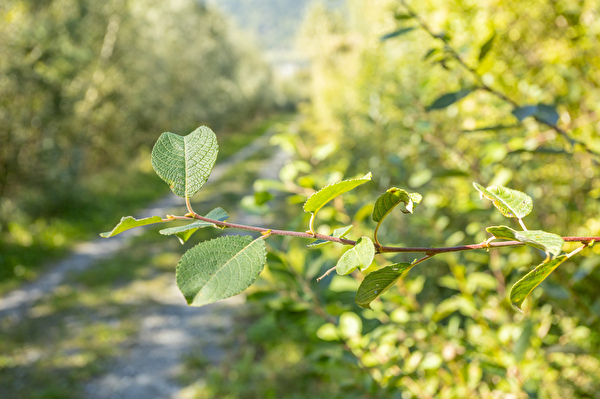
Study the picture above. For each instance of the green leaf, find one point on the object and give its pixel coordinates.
(220, 268)
(547, 242)
(183, 233)
(396, 33)
(338, 233)
(326, 194)
(542, 112)
(527, 284)
(185, 162)
(128, 222)
(378, 282)
(392, 197)
(448, 99)
(512, 203)
(361, 255)
(486, 47)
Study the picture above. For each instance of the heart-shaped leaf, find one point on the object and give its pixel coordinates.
(185, 162)
(183, 233)
(512, 203)
(129, 222)
(524, 286)
(550, 243)
(361, 255)
(338, 233)
(379, 281)
(220, 268)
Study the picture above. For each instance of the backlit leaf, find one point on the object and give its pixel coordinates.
(392, 197)
(547, 242)
(338, 233)
(527, 284)
(448, 99)
(185, 162)
(128, 222)
(183, 233)
(361, 255)
(326, 194)
(220, 268)
(378, 282)
(511, 203)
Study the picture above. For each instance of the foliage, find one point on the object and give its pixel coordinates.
(82, 82)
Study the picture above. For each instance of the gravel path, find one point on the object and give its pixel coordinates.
(169, 329)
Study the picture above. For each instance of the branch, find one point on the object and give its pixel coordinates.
(483, 85)
(428, 251)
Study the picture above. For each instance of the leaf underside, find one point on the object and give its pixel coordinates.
(392, 197)
(547, 242)
(361, 255)
(326, 194)
(511, 203)
(527, 284)
(129, 222)
(378, 282)
(185, 162)
(183, 233)
(220, 268)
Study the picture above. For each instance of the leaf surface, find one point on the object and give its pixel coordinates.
(378, 282)
(527, 284)
(547, 242)
(326, 194)
(185, 162)
(396, 33)
(220, 268)
(361, 255)
(511, 203)
(183, 233)
(448, 99)
(486, 47)
(338, 233)
(542, 112)
(392, 197)
(129, 222)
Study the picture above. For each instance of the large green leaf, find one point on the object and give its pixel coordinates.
(129, 222)
(220, 268)
(361, 255)
(392, 197)
(512, 203)
(378, 282)
(524, 286)
(185, 162)
(337, 233)
(547, 242)
(486, 47)
(183, 233)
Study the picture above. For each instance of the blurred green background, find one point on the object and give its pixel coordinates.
(86, 88)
